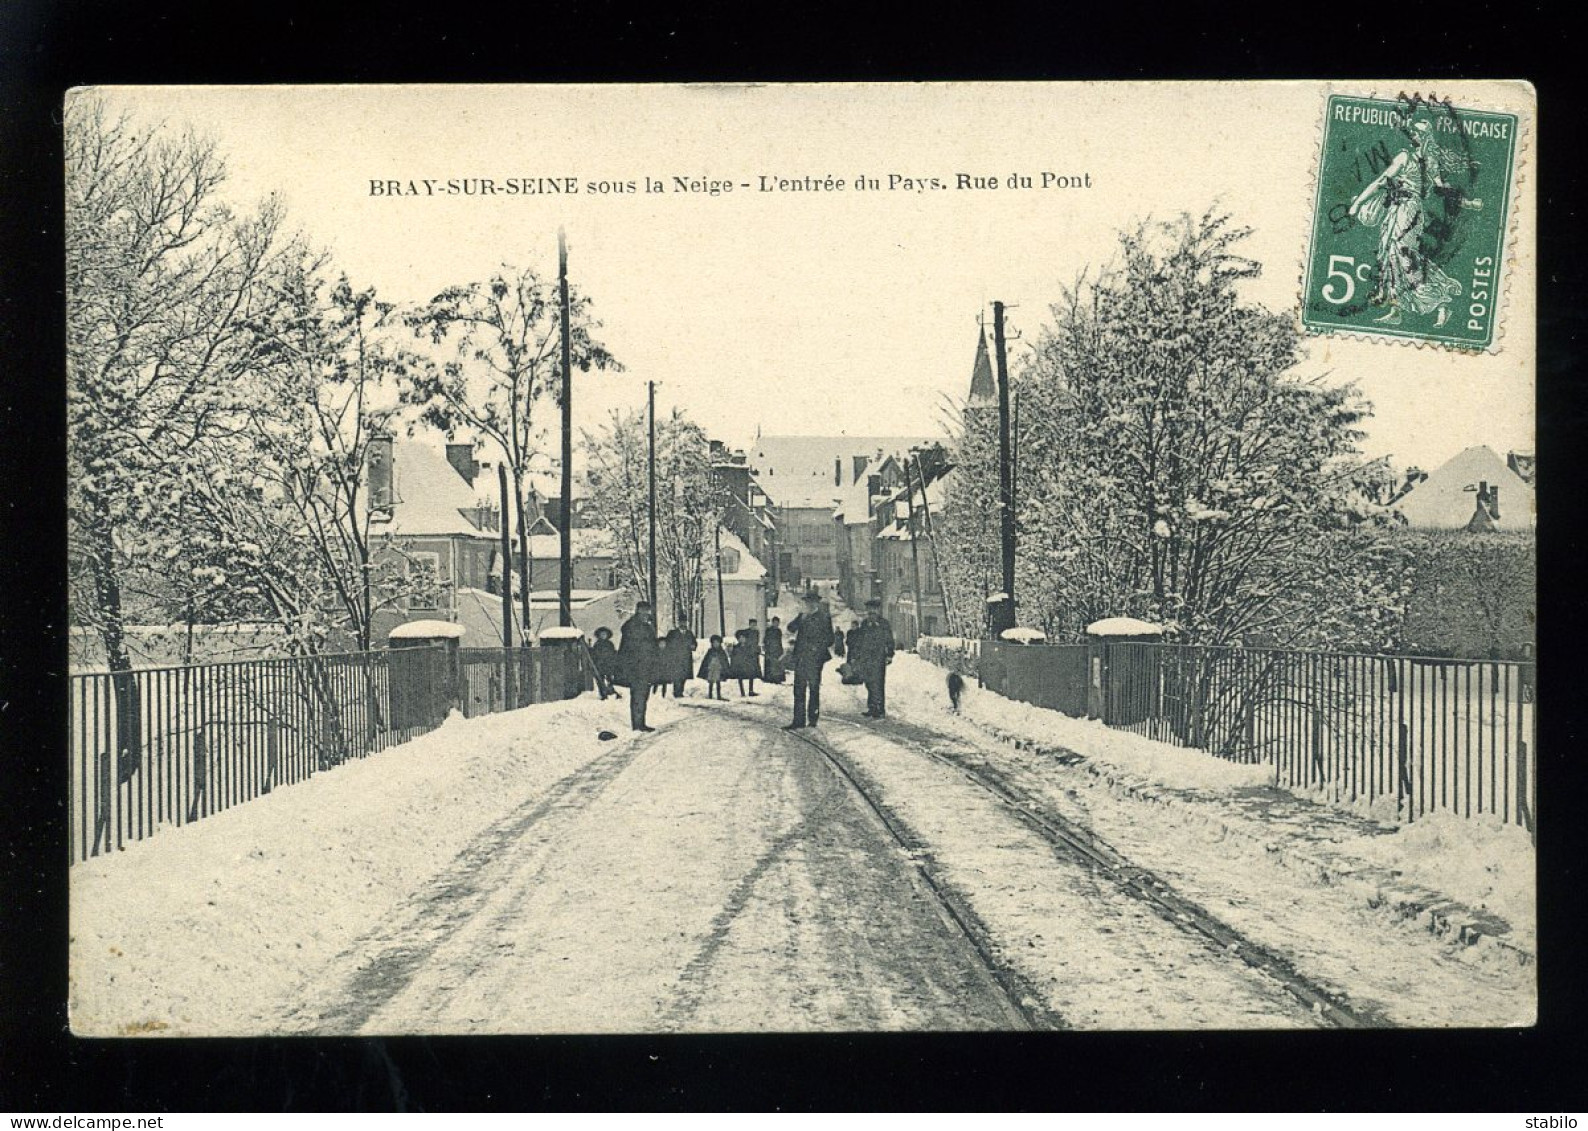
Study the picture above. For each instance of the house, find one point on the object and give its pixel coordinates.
(442, 530)
(803, 478)
(741, 595)
(1474, 487)
(1470, 525)
(750, 516)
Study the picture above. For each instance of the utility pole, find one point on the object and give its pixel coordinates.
(915, 552)
(651, 385)
(1004, 613)
(722, 607)
(507, 591)
(565, 580)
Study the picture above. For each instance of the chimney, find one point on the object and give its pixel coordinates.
(379, 457)
(873, 484)
(838, 471)
(860, 466)
(461, 457)
(719, 451)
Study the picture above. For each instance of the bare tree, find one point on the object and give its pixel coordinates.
(689, 502)
(497, 347)
(165, 290)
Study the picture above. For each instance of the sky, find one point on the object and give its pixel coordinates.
(826, 311)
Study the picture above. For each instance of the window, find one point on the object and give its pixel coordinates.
(729, 560)
(424, 580)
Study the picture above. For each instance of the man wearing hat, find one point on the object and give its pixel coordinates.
(639, 660)
(871, 648)
(813, 647)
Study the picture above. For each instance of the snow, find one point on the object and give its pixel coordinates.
(214, 927)
(1480, 861)
(1123, 626)
(558, 632)
(918, 687)
(1023, 635)
(426, 630)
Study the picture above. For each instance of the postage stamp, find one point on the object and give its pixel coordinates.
(1409, 221)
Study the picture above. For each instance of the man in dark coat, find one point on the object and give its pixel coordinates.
(871, 648)
(678, 657)
(813, 647)
(639, 661)
(772, 649)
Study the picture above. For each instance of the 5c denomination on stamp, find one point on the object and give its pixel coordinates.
(1409, 221)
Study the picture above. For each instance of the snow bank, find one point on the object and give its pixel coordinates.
(1480, 861)
(918, 687)
(213, 928)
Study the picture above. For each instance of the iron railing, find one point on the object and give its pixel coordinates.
(1429, 735)
(159, 747)
(1405, 733)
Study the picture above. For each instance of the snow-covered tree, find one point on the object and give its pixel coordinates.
(689, 504)
(1175, 467)
(495, 356)
(165, 289)
(332, 364)
(965, 535)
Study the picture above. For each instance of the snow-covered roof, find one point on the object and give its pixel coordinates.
(854, 503)
(542, 598)
(425, 630)
(750, 567)
(588, 542)
(1123, 626)
(797, 471)
(1443, 501)
(431, 494)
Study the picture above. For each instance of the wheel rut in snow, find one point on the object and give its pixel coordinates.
(451, 900)
(1081, 844)
(1016, 998)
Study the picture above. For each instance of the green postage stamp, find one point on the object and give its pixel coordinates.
(1409, 222)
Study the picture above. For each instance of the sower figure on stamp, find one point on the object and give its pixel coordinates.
(813, 647)
(871, 648)
(639, 659)
(1396, 202)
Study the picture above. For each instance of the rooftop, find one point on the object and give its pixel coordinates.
(799, 471)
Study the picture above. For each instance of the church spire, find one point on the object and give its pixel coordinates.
(983, 393)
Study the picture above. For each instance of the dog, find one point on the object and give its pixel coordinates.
(956, 687)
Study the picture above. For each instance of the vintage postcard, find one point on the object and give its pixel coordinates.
(801, 558)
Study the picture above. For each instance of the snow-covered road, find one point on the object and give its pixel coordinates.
(717, 875)
(516, 874)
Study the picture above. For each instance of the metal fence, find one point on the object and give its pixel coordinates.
(167, 746)
(1418, 734)
(1456, 736)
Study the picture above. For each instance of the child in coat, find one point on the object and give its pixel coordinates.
(714, 668)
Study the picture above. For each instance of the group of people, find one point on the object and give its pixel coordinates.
(644, 661)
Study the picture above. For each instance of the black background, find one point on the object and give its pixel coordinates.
(48, 47)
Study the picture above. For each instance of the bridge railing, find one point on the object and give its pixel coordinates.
(158, 747)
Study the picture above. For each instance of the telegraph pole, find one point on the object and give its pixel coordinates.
(722, 607)
(1004, 614)
(651, 385)
(507, 591)
(565, 580)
